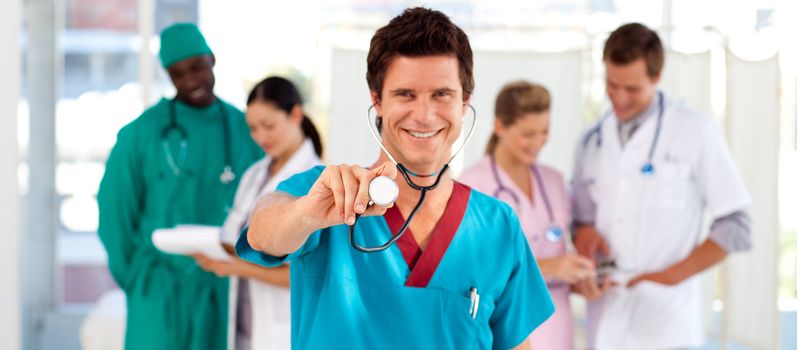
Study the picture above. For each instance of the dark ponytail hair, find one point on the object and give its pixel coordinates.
(284, 95)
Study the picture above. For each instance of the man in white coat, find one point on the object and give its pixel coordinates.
(645, 177)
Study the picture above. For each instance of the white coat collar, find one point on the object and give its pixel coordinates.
(642, 138)
(256, 183)
(304, 159)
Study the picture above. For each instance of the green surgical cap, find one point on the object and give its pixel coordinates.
(180, 41)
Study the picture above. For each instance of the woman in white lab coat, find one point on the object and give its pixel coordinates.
(259, 297)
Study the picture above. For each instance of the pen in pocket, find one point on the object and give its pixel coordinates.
(474, 302)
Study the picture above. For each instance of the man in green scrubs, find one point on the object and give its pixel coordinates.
(177, 163)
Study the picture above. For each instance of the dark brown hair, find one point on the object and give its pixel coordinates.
(516, 100)
(419, 32)
(633, 41)
(284, 95)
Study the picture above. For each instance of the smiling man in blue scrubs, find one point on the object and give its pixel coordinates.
(462, 277)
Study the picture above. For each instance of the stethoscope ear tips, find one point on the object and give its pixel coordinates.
(383, 191)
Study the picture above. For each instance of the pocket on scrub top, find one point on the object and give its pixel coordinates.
(438, 318)
(469, 322)
(656, 301)
(671, 183)
(673, 170)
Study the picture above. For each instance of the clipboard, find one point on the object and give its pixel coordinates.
(192, 240)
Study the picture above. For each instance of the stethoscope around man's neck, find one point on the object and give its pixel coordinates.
(647, 168)
(554, 232)
(227, 175)
(383, 190)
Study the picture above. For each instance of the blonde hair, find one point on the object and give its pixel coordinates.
(516, 100)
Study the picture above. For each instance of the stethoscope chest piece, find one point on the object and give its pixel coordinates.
(553, 233)
(227, 176)
(383, 191)
(647, 169)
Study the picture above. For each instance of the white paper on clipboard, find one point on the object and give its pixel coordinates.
(190, 240)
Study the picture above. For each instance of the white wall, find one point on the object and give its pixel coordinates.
(349, 140)
(752, 127)
(9, 196)
(688, 77)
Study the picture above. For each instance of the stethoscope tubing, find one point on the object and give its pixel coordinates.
(537, 177)
(647, 168)
(227, 174)
(407, 174)
(375, 135)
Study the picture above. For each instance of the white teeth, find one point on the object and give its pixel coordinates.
(197, 93)
(422, 135)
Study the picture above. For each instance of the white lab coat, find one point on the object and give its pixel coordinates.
(270, 304)
(653, 221)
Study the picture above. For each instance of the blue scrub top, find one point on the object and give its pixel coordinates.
(343, 298)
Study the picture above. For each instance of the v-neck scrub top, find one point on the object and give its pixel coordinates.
(405, 298)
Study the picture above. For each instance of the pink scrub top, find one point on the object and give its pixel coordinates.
(535, 220)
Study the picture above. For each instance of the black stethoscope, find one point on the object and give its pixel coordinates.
(554, 232)
(227, 175)
(384, 190)
(647, 167)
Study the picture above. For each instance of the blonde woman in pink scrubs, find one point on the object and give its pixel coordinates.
(509, 171)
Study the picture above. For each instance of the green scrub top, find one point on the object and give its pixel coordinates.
(171, 302)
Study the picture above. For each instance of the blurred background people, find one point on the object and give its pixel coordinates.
(644, 177)
(178, 163)
(260, 298)
(76, 72)
(511, 172)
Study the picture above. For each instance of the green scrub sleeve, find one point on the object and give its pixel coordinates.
(119, 199)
